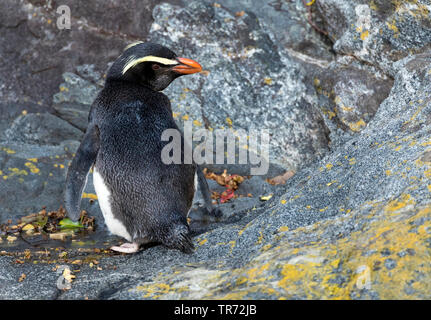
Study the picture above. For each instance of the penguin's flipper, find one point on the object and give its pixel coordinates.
(206, 194)
(78, 171)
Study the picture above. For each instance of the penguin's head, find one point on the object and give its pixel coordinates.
(151, 65)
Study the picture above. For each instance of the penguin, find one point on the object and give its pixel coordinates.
(142, 199)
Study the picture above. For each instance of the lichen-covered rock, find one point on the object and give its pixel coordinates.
(40, 129)
(350, 93)
(34, 153)
(250, 82)
(380, 32)
(373, 195)
(76, 95)
(287, 21)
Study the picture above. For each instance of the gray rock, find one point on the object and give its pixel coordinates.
(76, 95)
(378, 31)
(10, 111)
(76, 90)
(40, 129)
(34, 154)
(35, 53)
(289, 27)
(350, 93)
(252, 83)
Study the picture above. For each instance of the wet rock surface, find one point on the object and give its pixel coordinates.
(353, 223)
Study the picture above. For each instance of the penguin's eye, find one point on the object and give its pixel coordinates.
(155, 66)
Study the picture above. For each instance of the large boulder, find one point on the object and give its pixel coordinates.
(251, 82)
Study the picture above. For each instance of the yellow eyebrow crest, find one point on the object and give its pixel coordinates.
(133, 44)
(137, 61)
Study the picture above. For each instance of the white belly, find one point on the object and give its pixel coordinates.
(114, 225)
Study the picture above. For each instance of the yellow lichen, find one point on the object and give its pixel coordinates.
(357, 126)
(229, 121)
(364, 35)
(267, 81)
(197, 123)
(395, 205)
(17, 172)
(393, 27)
(32, 167)
(283, 229)
(89, 196)
(8, 151)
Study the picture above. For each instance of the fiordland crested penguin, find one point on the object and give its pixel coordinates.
(142, 199)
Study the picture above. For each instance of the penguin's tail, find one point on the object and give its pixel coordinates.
(177, 236)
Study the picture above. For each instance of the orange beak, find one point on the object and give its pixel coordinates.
(187, 66)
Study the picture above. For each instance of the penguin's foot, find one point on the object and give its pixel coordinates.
(179, 238)
(215, 212)
(185, 244)
(126, 248)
